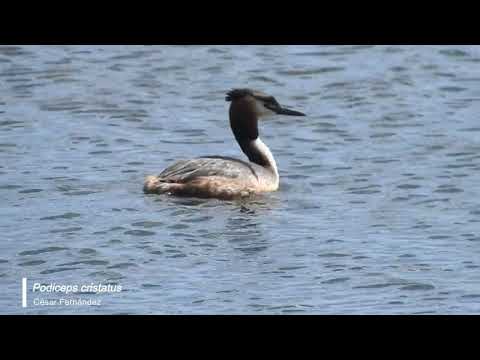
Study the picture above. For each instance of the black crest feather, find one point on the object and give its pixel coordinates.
(236, 94)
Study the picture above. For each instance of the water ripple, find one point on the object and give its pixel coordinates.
(377, 209)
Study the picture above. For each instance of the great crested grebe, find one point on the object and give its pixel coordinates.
(225, 177)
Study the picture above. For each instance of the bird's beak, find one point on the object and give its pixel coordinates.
(285, 111)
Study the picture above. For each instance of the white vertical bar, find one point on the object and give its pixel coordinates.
(24, 292)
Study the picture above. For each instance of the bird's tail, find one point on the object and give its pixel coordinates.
(155, 185)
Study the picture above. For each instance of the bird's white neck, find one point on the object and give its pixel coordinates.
(258, 146)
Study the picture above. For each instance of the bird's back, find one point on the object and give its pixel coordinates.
(187, 170)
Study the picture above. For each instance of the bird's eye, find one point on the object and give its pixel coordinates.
(270, 105)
